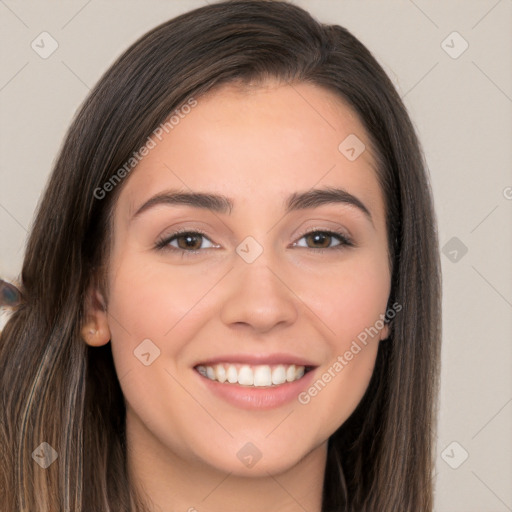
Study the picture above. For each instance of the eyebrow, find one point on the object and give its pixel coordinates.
(221, 204)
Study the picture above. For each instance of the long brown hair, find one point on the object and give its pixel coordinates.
(56, 389)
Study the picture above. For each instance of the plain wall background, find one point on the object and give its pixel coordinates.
(462, 110)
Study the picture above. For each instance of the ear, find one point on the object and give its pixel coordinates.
(95, 330)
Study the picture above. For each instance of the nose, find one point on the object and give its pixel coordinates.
(258, 298)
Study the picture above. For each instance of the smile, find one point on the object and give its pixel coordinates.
(253, 375)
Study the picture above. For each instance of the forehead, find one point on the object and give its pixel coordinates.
(255, 143)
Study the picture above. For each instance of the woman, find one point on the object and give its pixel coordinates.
(231, 291)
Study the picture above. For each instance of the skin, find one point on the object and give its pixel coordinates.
(256, 145)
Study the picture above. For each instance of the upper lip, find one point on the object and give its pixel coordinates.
(257, 359)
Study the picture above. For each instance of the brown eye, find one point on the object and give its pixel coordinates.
(324, 240)
(186, 242)
(320, 240)
(189, 241)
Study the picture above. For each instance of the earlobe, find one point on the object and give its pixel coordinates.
(95, 330)
(384, 333)
(93, 336)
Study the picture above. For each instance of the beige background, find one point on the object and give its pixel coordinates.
(462, 109)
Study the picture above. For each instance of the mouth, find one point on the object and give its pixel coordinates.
(253, 375)
(255, 381)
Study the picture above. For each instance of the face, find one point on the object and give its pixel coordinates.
(276, 288)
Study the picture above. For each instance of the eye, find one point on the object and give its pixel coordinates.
(186, 241)
(192, 242)
(322, 239)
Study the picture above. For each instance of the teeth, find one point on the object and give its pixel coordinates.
(220, 373)
(279, 375)
(257, 375)
(262, 376)
(245, 376)
(290, 373)
(232, 374)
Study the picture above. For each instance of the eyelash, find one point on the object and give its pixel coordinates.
(163, 244)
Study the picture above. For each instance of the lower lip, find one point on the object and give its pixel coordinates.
(260, 398)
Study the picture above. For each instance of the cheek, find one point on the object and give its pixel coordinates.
(152, 300)
(350, 298)
(350, 302)
(340, 386)
(149, 298)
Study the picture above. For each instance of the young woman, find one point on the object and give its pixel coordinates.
(231, 291)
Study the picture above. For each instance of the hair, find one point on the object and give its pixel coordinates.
(55, 388)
